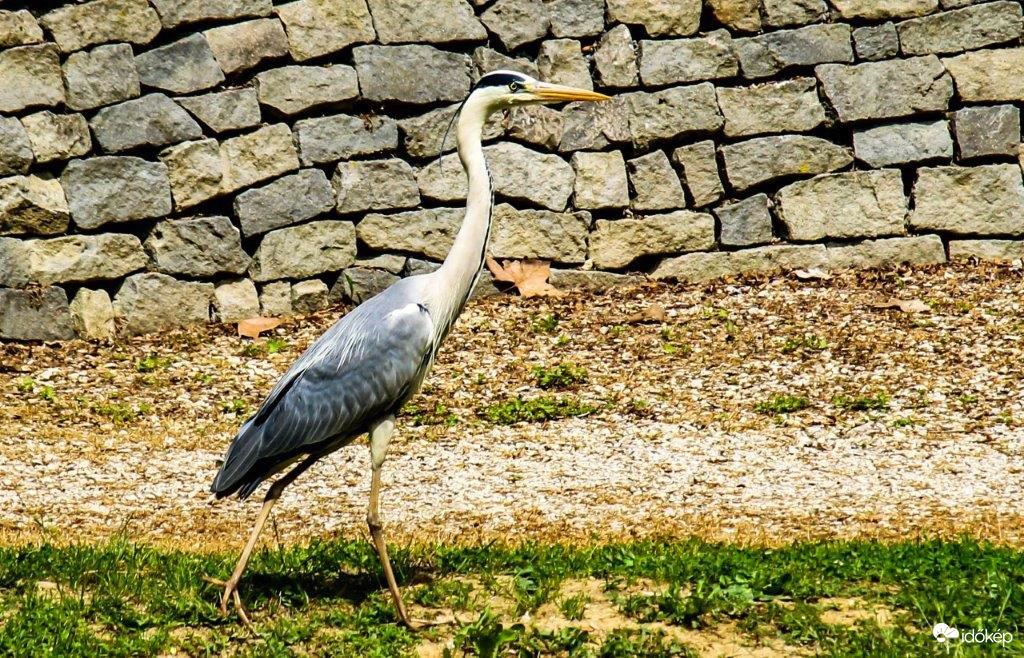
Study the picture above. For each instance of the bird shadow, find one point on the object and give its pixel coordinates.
(322, 585)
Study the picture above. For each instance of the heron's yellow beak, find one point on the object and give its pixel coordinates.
(546, 91)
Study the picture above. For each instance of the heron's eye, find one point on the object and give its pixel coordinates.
(514, 86)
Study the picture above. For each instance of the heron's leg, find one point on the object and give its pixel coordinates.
(380, 436)
(231, 586)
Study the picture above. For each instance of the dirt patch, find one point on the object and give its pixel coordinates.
(601, 616)
(851, 611)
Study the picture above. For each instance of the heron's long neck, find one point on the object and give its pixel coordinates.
(461, 268)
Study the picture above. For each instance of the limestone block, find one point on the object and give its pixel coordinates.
(298, 252)
(552, 236)
(221, 111)
(902, 143)
(615, 58)
(655, 183)
(339, 137)
(700, 171)
(57, 136)
(771, 53)
(764, 159)
(197, 247)
(115, 189)
(101, 76)
(969, 200)
(321, 27)
(847, 205)
(672, 61)
(288, 200)
(375, 185)
(411, 74)
(746, 222)
(78, 26)
(30, 77)
(142, 305)
(32, 205)
(659, 17)
(153, 120)
(92, 314)
(617, 243)
(438, 21)
(885, 90)
(39, 314)
(242, 46)
(295, 89)
(600, 180)
(235, 301)
(786, 106)
(429, 231)
(182, 67)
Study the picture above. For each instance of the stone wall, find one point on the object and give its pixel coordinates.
(178, 161)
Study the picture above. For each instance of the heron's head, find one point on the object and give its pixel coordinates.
(500, 90)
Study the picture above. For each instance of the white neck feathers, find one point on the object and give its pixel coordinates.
(460, 270)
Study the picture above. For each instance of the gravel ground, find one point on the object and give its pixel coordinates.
(913, 421)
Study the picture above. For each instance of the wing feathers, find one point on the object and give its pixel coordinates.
(361, 368)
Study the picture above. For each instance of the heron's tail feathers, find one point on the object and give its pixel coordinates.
(237, 473)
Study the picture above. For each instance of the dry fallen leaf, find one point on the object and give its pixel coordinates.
(905, 305)
(653, 313)
(530, 277)
(253, 327)
(812, 273)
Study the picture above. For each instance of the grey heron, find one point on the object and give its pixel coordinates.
(355, 378)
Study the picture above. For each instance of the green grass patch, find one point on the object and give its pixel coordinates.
(573, 607)
(808, 342)
(873, 402)
(121, 413)
(519, 410)
(153, 363)
(275, 345)
(438, 415)
(561, 376)
(237, 406)
(255, 348)
(783, 404)
(545, 324)
(329, 598)
(27, 385)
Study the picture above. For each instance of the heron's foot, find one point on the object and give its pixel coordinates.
(403, 616)
(442, 620)
(230, 593)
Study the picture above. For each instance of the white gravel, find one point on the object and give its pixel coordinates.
(571, 478)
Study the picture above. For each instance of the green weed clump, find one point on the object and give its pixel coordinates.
(545, 324)
(256, 348)
(153, 363)
(573, 607)
(439, 415)
(875, 402)
(518, 410)
(236, 406)
(808, 342)
(783, 404)
(121, 413)
(562, 376)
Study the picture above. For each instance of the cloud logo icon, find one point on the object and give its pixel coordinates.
(942, 632)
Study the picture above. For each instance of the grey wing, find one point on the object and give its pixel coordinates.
(363, 367)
